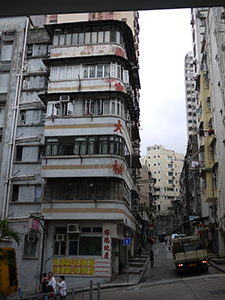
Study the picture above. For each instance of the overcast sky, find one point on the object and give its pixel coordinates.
(165, 38)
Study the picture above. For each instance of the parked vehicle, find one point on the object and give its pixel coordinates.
(8, 272)
(188, 253)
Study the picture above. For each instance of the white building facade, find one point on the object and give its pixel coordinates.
(165, 166)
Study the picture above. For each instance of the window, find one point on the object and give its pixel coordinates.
(51, 146)
(87, 71)
(29, 50)
(170, 173)
(170, 181)
(3, 98)
(170, 157)
(26, 84)
(60, 238)
(87, 35)
(15, 193)
(30, 243)
(37, 193)
(1, 129)
(92, 189)
(5, 66)
(202, 22)
(99, 107)
(170, 166)
(19, 153)
(73, 244)
(81, 38)
(60, 108)
(23, 114)
(90, 245)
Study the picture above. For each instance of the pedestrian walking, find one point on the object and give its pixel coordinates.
(62, 287)
(44, 282)
(166, 239)
(51, 285)
(139, 250)
(151, 254)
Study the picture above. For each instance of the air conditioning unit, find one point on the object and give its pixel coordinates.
(64, 98)
(57, 31)
(5, 68)
(72, 228)
(60, 237)
(173, 177)
(222, 16)
(31, 238)
(24, 68)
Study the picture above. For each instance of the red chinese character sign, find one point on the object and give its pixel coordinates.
(118, 127)
(106, 243)
(118, 169)
(33, 224)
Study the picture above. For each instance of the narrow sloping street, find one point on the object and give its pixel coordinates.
(162, 282)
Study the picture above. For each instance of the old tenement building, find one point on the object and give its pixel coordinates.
(71, 183)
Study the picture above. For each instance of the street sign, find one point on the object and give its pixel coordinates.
(192, 218)
(126, 241)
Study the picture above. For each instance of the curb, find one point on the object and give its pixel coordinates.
(106, 286)
(216, 266)
(144, 269)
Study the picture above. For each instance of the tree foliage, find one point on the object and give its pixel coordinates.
(7, 233)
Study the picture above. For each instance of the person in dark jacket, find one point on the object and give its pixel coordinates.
(43, 284)
(151, 254)
(139, 250)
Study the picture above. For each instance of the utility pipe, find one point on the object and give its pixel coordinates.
(17, 99)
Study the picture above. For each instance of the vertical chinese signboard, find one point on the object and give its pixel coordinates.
(103, 266)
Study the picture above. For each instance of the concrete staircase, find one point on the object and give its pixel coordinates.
(136, 265)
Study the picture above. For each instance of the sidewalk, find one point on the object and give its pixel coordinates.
(137, 269)
(217, 263)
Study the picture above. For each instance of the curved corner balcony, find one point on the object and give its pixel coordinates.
(116, 211)
(91, 50)
(72, 166)
(87, 85)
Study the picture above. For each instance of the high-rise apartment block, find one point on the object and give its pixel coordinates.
(190, 94)
(165, 166)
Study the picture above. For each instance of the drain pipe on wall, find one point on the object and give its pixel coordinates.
(8, 179)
